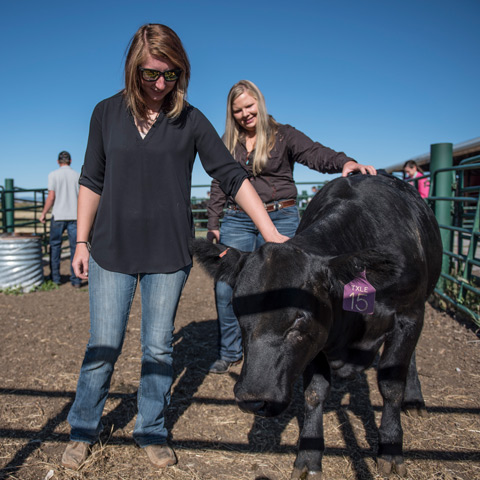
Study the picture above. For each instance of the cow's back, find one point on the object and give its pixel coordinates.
(383, 212)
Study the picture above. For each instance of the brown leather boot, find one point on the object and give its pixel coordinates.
(75, 454)
(161, 455)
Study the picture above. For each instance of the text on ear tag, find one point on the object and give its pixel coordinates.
(359, 295)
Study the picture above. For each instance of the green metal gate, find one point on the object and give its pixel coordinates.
(457, 209)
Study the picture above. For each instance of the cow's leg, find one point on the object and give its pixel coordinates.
(393, 371)
(311, 445)
(413, 403)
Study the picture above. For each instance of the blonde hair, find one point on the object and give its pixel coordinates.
(158, 41)
(266, 127)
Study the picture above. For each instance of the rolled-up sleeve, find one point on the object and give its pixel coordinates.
(93, 170)
(216, 158)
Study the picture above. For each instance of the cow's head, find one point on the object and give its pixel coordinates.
(285, 299)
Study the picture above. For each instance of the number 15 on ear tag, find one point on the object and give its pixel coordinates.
(359, 295)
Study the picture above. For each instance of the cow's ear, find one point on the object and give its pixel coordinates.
(220, 262)
(382, 267)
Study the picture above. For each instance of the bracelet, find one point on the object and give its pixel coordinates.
(87, 244)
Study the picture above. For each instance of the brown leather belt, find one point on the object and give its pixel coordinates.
(269, 207)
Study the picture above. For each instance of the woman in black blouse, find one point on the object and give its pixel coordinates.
(134, 205)
(268, 151)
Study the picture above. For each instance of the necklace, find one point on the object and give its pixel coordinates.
(144, 126)
(155, 119)
(250, 143)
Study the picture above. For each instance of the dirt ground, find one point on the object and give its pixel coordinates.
(43, 339)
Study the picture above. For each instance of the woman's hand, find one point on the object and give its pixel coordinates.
(276, 237)
(351, 166)
(80, 261)
(213, 236)
(87, 208)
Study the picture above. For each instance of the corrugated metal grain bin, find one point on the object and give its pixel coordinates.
(20, 261)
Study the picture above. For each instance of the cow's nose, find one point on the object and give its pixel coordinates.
(252, 406)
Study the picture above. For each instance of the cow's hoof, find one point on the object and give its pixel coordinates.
(387, 467)
(305, 474)
(401, 469)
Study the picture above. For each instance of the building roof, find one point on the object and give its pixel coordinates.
(461, 150)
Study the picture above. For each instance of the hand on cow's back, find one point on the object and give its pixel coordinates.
(279, 238)
(351, 167)
(274, 236)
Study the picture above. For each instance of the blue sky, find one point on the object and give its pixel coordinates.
(378, 79)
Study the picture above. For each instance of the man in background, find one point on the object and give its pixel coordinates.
(62, 196)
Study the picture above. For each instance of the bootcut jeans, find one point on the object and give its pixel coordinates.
(238, 231)
(111, 296)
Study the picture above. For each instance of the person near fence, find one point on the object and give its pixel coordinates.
(412, 170)
(134, 203)
(62, 199)
(267, 150)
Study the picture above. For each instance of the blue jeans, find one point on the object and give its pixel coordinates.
(56, 231)
(240, 232)
(111, 296)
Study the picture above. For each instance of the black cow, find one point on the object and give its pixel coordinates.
(289, 299)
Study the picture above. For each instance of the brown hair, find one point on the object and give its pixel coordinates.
(162, 42)
(64, 158)
(412, 164)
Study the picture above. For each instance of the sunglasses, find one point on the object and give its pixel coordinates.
(150, 75)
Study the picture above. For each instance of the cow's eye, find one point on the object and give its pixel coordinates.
(300, 321)
(294, 335)
(298, 330)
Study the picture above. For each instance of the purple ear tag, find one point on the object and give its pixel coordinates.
(359, 295)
